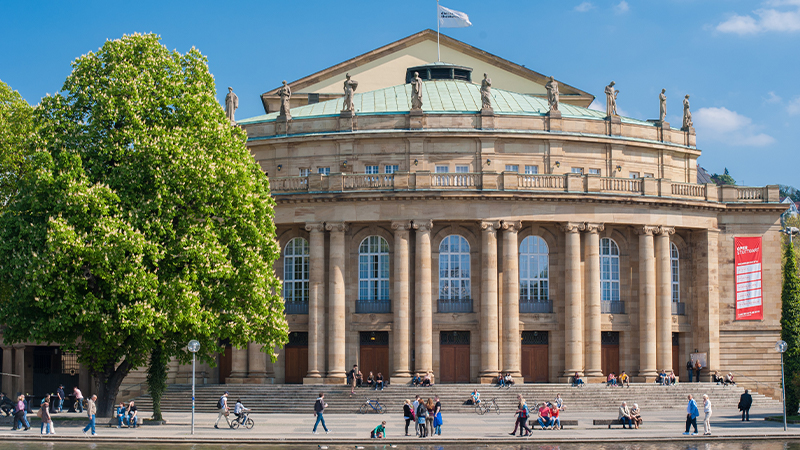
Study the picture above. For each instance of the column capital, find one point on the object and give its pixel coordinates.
(315, 226)
(336, 226)
(646, 230)
(423, 225)
(512, 225)
(570, 227)
(401, 225)
(489, 226)
(665, 231)
(593, 228)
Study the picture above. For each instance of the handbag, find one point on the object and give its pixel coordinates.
(39, 413)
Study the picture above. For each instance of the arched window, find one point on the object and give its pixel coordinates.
(295, 271)
(674, 258)
(534, 270)
(373, 269)
(454, 268)
(609, 270)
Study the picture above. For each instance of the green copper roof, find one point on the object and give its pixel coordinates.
(438, 96)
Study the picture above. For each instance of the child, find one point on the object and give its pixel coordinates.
(238, 409)
(379, 432)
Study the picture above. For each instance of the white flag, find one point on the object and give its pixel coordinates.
(450, 18)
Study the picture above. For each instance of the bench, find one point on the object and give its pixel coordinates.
(608, 422)
(113, 422)
(534, 422)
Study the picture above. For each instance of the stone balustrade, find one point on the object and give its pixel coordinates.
(515, 182)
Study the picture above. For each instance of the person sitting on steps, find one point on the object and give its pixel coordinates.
(729, 380)
(501, 380)
(624, 379)
(612, 379)
(416, 381)
(577, 381)
(371, 380)
(716, 378)
(379, 381)
(509, 380)
(475, 397)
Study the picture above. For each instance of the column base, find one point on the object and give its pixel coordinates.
(644, 379)
(400, 379)
(259, 380)
(235, 380)
(487, 379)
(335, 380)
(598, 380)
(313, 380)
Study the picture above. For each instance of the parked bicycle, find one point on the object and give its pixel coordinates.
(375, 405)
(487, 405)
(243, 420)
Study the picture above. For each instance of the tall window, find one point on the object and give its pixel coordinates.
(534, 271)
(305, 172)
(454, 268)
(609, 270)
(373, 269)
(674, 258)
(295, 271)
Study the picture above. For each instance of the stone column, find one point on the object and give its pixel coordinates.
(512, 351)
(400, 304)
(647, 304)
(706, 334)
(423, 326)
(19, 368)
(573, 328)
(664, 299)
(238, 366)
(316, 303)
(7, 385)
(336, 302)
(593, 298)
(257, 364)
(489, 306)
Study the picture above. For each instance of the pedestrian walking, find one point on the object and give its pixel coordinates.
(20, 415)
(78, 398)
(422, 414)
(91, 410)
(437, 416)
(61, 396)
(408, 413)
(319, 409)
(691, 415)
(745, 402)
(707, 418)
(47, 421)
(222, 408)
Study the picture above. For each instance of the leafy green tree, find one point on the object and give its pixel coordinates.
(790, 328)
(724, 179)
(146, 222)
(157, 371)
(16, 131)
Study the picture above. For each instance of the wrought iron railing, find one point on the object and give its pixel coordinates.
(373, 306)
(678, 309)
(536, 306)
(608, 307)
(455, 305)
(295, 307)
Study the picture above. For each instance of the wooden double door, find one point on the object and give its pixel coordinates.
(374, 353)
(535, 357)
(454, 362)
(296, 358)
(609, 352)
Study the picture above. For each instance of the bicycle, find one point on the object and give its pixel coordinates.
(374, 404)
(243, 420)
(486, 406)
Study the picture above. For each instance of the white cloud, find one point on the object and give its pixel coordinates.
(599, 105)
(584, 7)
(772, 97)
(793, 108)
(729, 127)
(622, 7)
(766, 19)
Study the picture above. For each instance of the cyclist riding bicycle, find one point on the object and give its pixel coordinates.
(239, 409)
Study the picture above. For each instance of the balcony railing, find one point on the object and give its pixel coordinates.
(455, 305)
(373, 306)
(678, 309)
(295, 307)
(612, 307)
(536, 307)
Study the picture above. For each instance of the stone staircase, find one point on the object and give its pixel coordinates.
(593, 397)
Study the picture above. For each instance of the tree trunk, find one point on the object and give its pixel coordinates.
(107, 387)
(157, 378)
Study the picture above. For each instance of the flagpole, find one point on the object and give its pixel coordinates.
(438, 52)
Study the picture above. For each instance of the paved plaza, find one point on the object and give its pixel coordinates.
(667, 424)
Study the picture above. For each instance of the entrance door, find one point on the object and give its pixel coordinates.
(52, 367)
(609, 357)
(225, 364)
(676, 353)
(374, 353)
(454, 357)
(535, 357)
(296, 357)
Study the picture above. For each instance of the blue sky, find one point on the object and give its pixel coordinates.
(739, 60)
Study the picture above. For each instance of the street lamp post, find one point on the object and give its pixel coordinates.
(193, 347)
(781, 347)
(791, 231)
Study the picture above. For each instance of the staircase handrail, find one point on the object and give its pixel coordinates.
(758, 383)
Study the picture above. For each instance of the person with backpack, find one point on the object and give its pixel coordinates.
(408, 413)
(222, 407)
(422, 414)
(319, 408)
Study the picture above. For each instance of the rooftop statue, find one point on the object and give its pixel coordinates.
(611, 100)
(552, 94)
(486, 92)
(349, 87)
(662, 106)
(286, 93)
(687, 114)
(231, 104)
(416, 92)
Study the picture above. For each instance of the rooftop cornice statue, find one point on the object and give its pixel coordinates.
(552, 94)
(687, 114)
(486, 93)
(285, 93)
(611, 100)
(349, 87)
(662, 106)
(416, 92)
(231, 104)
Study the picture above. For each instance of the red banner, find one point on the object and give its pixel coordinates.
(747, 260)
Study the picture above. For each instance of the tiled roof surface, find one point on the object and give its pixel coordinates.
(438, 96)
